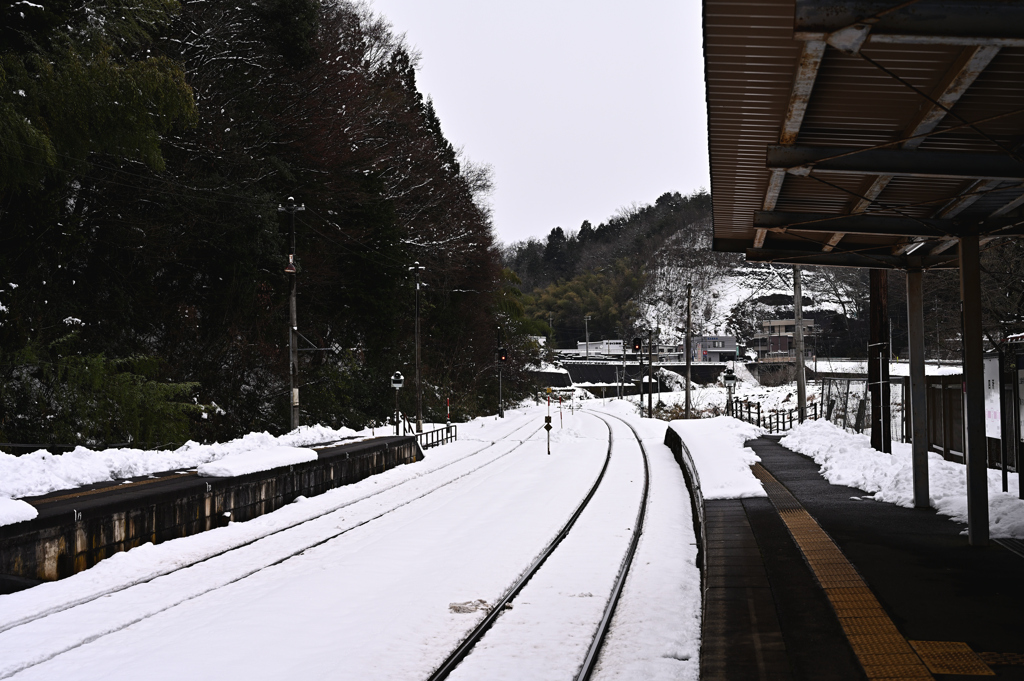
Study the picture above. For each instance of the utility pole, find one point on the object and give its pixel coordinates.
(798, 337)
(650, 374)
(293, 324)
(689, 344)
(502, 358)
(586, 327)
(417, 269)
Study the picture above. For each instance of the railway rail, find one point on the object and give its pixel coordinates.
(590, 660)
(11, 626)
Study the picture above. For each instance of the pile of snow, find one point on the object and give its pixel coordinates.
(723, 462)
(848, 459)
(41, 472)
(896, 368)
(15, 511)
(254, 461)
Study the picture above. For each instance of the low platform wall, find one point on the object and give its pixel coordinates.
(685, 461)
(72, 534)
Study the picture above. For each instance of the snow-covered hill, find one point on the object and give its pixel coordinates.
(732, 297)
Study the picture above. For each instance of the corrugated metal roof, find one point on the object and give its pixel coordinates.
(899, 60)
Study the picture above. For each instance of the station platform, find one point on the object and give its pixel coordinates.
(77, 528)
(816, 582)
(147, 488)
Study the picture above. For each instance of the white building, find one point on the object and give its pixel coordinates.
(599, 348)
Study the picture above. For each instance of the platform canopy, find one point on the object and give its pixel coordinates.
(864, 133)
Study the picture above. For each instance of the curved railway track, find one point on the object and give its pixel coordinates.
(590, 660)
(88, 638)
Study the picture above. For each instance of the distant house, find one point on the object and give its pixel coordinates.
(776, 340)
(714, 348)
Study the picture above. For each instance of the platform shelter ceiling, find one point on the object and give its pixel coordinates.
(864, 133)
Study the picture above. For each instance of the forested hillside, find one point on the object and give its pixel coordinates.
(601, 271)
(144, 151)
(630, 275)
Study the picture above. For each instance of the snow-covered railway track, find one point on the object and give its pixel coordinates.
(509, 599)
(56, 622)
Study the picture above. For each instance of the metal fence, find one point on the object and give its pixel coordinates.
(438, 436)
(774, 420)
(847, 403)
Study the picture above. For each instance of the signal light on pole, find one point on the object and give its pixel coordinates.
(636, 345)
(502, 355)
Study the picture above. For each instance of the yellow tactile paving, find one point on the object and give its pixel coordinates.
(1016, 659)
(947, 657)
(882, 651)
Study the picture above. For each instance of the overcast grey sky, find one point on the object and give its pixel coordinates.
(581, 106)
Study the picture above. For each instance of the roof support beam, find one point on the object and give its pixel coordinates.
(802, 159)
(878, 225)
(968, 66)
(885, 225)
(1008, 207)
(876, 39)
(803, 84)
(974, 192)
(953, 22)
(881, 261)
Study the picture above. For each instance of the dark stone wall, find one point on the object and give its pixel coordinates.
(60, 543)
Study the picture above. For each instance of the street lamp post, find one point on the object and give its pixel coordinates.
(417, 269)
(293, 326)
(729, 379)
(586, 331)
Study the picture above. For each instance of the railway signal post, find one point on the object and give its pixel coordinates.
(397, 380)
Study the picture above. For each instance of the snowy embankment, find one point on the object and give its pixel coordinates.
(723, 462)
(41, 472)
(848, 459)
(15, 511)
(254, 461)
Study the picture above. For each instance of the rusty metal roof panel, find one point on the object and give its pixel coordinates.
(919, 70)
(749, 58)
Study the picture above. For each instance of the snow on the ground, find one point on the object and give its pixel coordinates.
(896, 368)
(40, 472)
(148, 562)
(255, 461)
(655, 631)
(723, 462)
(368, 573)
(570, 591)
(848, 459)
(15, 511)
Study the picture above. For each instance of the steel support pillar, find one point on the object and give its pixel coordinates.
(689, 346)
(918, 399)
(878, 360)
(976, 453)
(798, 338)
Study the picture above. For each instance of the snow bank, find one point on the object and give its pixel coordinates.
(41, 472)
(255, 461)
(723, 463)
(15, 511)
(848, 459)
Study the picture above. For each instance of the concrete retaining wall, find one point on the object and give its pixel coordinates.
(61, 543)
